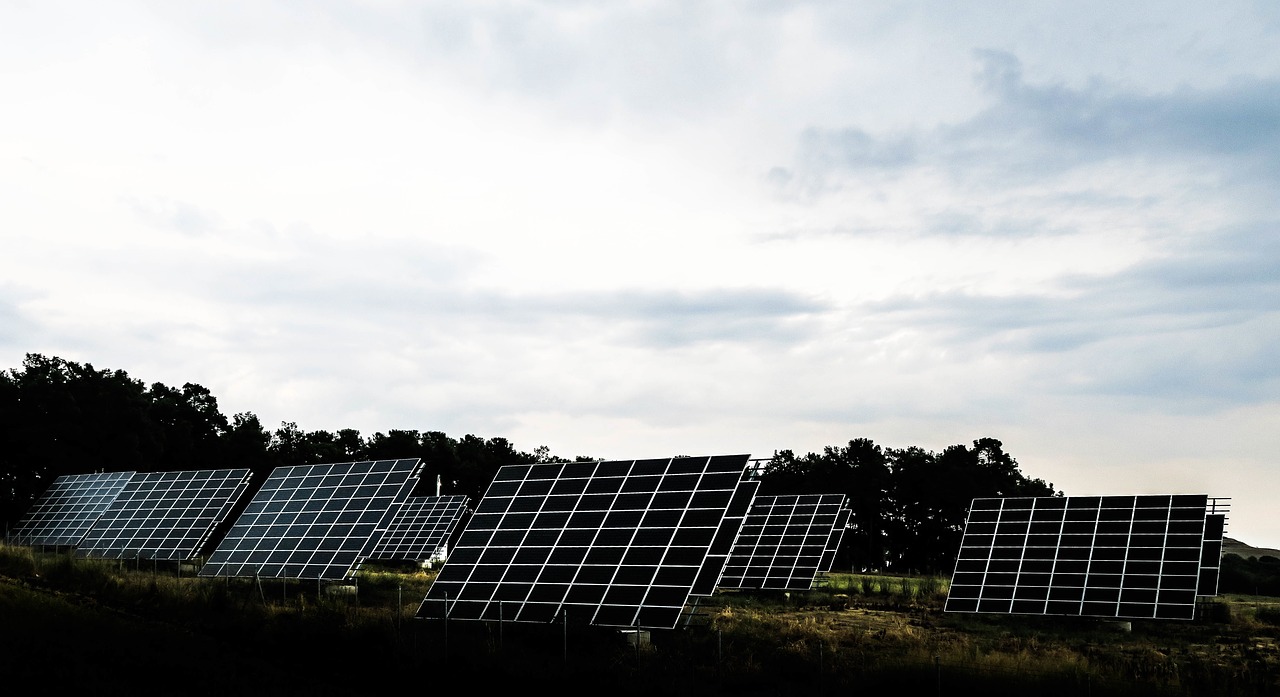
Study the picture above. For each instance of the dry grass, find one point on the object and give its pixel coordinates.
(852, 635)
(883, 630)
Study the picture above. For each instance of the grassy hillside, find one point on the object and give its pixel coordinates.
(117, 629)
(1245, 550)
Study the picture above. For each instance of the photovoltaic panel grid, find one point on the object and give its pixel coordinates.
(1103, 556)
(783, 541)
(1215, 523)
(421, 528)
(612, 543)
(165, 515)
(314, 521)
(722, 544)
(837, 536)
(68, 508)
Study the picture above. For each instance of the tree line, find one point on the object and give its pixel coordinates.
(58, 417)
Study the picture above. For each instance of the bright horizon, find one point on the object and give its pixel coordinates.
(629, 230)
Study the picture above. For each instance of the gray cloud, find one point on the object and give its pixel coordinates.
(672, 318)
(176, 216)
(1233, 269)
(1101, 121)
(1035, 131)
(648, 319)
(318, 286)
(855, 148)
(1200, 326)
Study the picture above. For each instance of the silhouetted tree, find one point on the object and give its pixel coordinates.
(191, 429)
(289, 447)
(67, 418)
(60, 417)
(394, 444)
(860, 471)
(440, 463)
(480, 459)
(908, 506)
(246, 444)
(350, 445)
(932, 494)
(1250, 576)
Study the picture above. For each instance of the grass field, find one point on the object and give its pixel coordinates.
(130, 628)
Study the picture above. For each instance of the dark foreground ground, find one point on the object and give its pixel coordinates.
(72, 625)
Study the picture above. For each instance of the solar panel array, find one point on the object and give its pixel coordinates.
(1104, 556)
(421, 528)
(783, 542)
(613, 543)
(165, 515)
(314, 521)
(68, 509)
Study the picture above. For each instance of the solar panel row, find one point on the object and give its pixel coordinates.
(164, 515)
(612, 543)
(68, 509)
(421, 528)
(1110, 556)
(784, 542)
(628, 543)
(314, 521)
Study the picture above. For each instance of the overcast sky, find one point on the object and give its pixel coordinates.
(645, 229)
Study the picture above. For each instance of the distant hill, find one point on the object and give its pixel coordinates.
(1234, 546)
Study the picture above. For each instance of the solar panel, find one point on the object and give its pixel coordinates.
(1102, 556)
(783, 542)
(314, 521)
(68, 508)
(612, 543)
(165, 515)
(421, 528)
(1215, 525)
(718, 556)
(833, 543)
